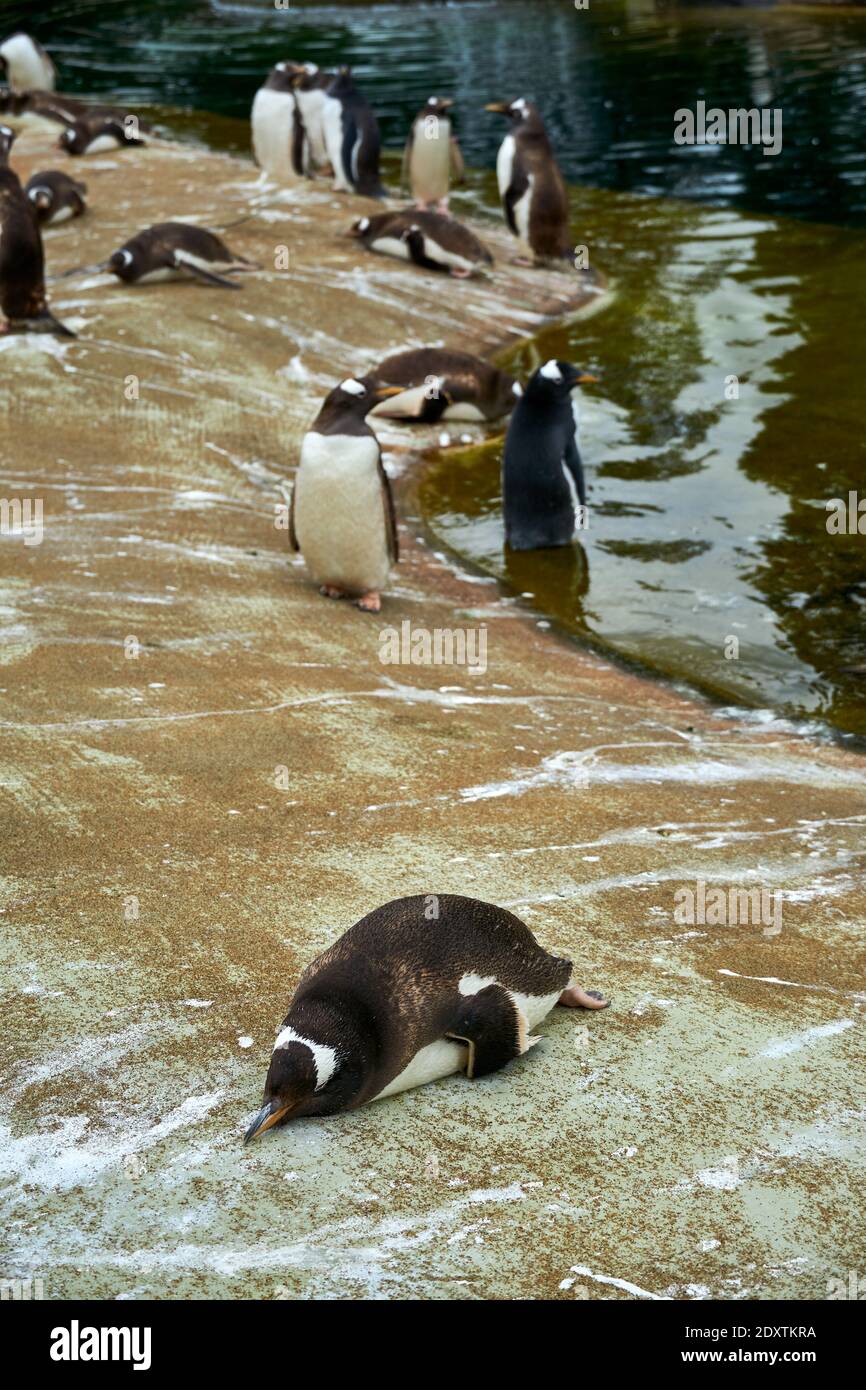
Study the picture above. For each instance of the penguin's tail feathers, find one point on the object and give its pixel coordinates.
(43, 322)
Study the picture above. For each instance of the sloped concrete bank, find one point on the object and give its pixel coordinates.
(209, 773)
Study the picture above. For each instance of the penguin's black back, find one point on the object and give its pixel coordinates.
(359, 122)
(536, 496)
(22, 264)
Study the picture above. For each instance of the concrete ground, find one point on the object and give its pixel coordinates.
(209, 774)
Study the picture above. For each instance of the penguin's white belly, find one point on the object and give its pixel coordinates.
(62, 215)
(103, 143)
(430, 163)
(272, 117)
(521, 212)
(312, 105)
(332, 126)
(442, 256)
(340, 512)
(444, 1057)
(463, 410)
(390, 246)
(504, 165)
(156, 277)
(28, 70)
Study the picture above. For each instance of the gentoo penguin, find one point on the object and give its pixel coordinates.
(530, 185)
(28, 66)
(55, 197)
(351, 137)
(441, 385)
(342, 513)
(22, 263)
(94, 133)
(432, 156)
(540, 445)
(279, 145)
(172, 250)
(429, 239)
(310, 86)
(417, 990)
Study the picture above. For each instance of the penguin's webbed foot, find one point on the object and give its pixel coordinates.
(370, 603)
(525, 261)
(576, 998)
(442, 206)
(331, 591)
(460, 274)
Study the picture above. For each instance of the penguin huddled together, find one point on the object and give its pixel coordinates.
(304, 120)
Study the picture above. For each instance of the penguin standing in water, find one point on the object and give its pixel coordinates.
(417, 990)
(440, 385)
(533, 194)
(28, 66)
(279, 145)
(22, 262)
(540, 445)
(432, 156)
(352, 139)
(56, 197)
(342, 513)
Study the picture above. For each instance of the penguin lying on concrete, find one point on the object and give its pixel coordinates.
(417, 990)
(352, 139)
(432, 156)
(531, 187)
(171, 251)
(26, 64)
(441, 385)
(94, 133)
(55, 197)
(22, 262)
(428, 239)
(540, 445)
(342, 513)
(277, 129)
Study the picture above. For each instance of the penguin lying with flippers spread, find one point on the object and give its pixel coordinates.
(22, 260)
(55, 197)
(342, 512)
(171, 251)
(540, 445)
(417, 990)
(428, 239)
(531, 186)
(441, 385)
(432, 156)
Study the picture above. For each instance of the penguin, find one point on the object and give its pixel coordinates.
(93, 133)
(533, 194)
(540, 445)
(171, 251)
(441, 385)
(352, 139)
(310, 85)
(28, 66)
(278, 138)
(55, 197)
(342, 511)
(418, 989)
(432, 156)
(22, 262)
(428, 239)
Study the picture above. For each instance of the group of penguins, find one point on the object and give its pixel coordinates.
(305, 123)
(478, 981)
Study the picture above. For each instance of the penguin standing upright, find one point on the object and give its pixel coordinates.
(279, 146)
(22, 262)
(342, 513)
(56, 197)
(533, 194)
(310, 85)
(417, 990)
(432, 156)
(351, 137)
(28, 66)
(540, 445)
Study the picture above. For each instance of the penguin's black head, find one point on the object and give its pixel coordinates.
(41, 197)
(7, 140)
(437, 106)
(71, 139)
(293, 1078)
(517, 111)
(555, 381)
(353, 398)
(122, 264)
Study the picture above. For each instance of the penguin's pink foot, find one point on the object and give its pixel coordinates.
(370, 603)
(331, 591)
(576, 998)
(420, 205)
(442, 206)
(523, 260)
(460, 274)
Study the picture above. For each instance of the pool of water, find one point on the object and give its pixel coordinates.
(707, 555)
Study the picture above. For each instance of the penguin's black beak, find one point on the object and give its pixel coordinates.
(501, 108)
(270, 1114)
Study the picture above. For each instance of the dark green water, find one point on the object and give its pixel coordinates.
(708, 517)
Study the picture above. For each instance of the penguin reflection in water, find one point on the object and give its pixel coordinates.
(541, 466)
(342, 513)
(417, 990)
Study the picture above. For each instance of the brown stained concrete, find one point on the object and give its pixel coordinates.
(165, 882)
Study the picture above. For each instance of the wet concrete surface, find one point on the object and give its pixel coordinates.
(209, 774)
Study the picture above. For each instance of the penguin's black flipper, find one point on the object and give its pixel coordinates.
(493, 1029)
(390, 514)
(180, 262)
(513, 193)
(573, 463)
(298, 147)
(293, 535)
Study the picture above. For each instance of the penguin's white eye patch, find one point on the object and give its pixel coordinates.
(353, 387)
(551, 371)
(311, 67)
(363, 224)
(519, 105)
(517, 389)
(127, 257)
